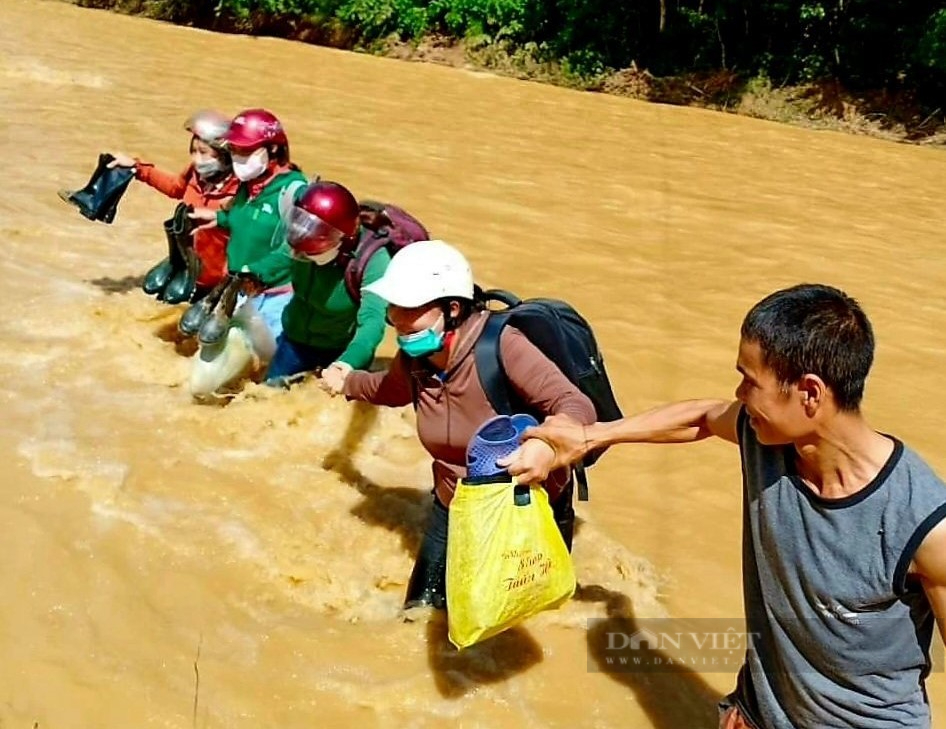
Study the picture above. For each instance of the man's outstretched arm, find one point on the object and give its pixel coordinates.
(678, 422)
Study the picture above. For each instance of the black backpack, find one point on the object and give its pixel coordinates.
(566, 338)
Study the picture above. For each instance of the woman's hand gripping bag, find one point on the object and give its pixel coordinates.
(506, 560)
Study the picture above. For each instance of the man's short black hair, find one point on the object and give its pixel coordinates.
(814, 329)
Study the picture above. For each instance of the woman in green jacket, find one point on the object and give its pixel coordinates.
(259, 260)
(257, 249)
(327, 324)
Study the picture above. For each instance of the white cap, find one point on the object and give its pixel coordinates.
(423, 272)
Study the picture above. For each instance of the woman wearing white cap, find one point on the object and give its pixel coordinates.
(432, 306)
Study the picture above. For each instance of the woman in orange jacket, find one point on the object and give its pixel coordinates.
(207, 182)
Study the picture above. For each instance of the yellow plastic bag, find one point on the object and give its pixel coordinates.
(505, 562)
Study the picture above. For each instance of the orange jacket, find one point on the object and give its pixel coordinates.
(210, 244)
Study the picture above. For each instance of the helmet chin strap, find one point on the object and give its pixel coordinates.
(346, 250)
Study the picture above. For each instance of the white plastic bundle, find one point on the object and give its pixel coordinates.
(248, 345)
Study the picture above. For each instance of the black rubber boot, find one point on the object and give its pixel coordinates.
(84, 198)
(98, 200)
(158, 277)
(428, 583)
(183, 283)
(165, 271)
(215, 327)
(197, 313)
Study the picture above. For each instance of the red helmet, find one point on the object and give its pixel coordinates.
(321, 217)
(254, 128)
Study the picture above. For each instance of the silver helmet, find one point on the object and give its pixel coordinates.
(209, 126)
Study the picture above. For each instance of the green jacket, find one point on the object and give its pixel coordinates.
(257, 239)
(321, 313)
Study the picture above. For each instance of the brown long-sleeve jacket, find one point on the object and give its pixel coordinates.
(451, 406)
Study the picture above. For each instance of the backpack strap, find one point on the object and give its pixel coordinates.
(287, 198)
(501, 295)
(581, 478)
(355, 269)
(492, 374)
(372, 215)
(489, 363)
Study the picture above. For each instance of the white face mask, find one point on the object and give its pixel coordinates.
(251, 167)
(323, 259)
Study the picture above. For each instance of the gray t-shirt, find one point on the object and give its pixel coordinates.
(841, 633)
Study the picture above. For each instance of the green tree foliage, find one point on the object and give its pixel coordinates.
(860, 42)
(931, 51)
(376, 18)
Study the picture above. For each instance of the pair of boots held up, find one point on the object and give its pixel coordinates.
(210, 317)
(174, 279)
(98, 200)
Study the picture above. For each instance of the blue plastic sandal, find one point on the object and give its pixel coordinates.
(496, 438)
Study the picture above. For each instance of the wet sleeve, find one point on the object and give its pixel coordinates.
(164, 182)
(391, 388)
(539, 382)
(369, 327)
(276, 266)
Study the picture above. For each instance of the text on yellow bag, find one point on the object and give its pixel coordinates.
(505, 562)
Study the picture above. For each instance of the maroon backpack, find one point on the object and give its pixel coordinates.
(383, 226)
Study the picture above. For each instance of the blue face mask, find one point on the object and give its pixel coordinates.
(421, 344)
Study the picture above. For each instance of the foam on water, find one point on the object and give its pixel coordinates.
(36, 71)
(278, 528)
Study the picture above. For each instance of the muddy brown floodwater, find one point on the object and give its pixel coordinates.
(268, 542)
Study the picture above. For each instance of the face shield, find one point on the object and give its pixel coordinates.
(308, 234)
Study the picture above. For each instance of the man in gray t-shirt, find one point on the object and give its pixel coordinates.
(844, 528)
